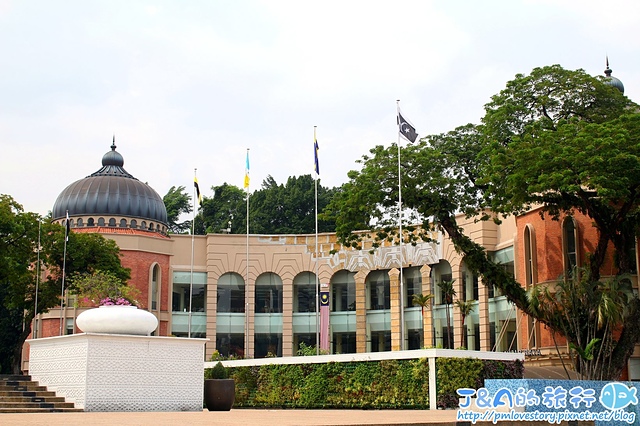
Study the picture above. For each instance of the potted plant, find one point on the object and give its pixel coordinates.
(219, 389)
(119, 313)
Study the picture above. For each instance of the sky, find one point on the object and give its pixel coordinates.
(188, 86)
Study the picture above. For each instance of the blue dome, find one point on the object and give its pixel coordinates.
(111, 191)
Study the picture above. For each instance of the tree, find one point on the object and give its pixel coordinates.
(102, 288)
(559, 139)
(20, 232)
(224, 212)
(466, 308)
(273, 209)
(422, 300)
(177, 202)
(289, 208)
(446, 287)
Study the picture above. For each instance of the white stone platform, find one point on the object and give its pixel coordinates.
(109, 372)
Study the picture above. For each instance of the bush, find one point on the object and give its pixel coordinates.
(219, 371)
(390, 384)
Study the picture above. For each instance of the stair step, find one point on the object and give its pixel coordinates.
(19, 394)
(21, 398)
(41, 410)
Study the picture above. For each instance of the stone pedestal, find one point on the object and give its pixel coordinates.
(110, 372)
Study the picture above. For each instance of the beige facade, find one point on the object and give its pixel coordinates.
(285, 266)
(256, 296)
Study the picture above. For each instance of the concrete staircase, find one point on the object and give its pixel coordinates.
(19, 394)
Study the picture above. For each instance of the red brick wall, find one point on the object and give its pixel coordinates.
(550, 265)
(140, 264)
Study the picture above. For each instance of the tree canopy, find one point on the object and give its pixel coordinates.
(273, 209)
(555, 138)
(21, 234)
(177, 202)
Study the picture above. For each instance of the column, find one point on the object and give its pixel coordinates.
(287, 317)
(427, 319)
(396, 328)
(483, 315)
(361, 311)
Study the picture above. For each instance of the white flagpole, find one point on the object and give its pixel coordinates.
(195, 195)
(35, 311)
(317, 278)
(246, 279)
(64, 267)
(400, 232)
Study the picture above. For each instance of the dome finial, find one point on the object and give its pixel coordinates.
(612, 81)
(113, 145)
(607, 71)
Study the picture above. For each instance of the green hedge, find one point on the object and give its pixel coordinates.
(400, 384)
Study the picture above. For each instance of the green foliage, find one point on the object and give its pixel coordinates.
(558, 139)
(93, 288)
(377, 385)
(19, 235)
(177, 202)
(273, 209)
(309, 350)
(218, 371)
(453, 374)
(587, 312)
(225, 210)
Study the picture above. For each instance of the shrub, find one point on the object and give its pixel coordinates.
(219, 371)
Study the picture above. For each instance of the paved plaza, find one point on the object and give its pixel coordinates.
(238, 417)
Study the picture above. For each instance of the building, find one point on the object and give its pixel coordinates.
(270, 307)
(256, 295)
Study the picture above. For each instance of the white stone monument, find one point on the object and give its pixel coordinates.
(117, 372)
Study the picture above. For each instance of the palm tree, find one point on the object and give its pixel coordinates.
(588, 313)
(466, 308)
(422, 300)
(446, 286)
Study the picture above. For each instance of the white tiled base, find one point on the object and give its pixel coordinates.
(107, 372)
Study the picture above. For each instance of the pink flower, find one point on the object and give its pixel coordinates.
(110, 301)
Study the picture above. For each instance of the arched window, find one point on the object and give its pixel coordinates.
(79, 223)
(112, 222)
(379, 290)
(529, 240)
(570, 246)
(304, 292)
(90, 222)
(268, 293)
(230, 293)
(101, 221)
(143, 225)
(133, 224)
(123, 223)
(155, 287)
(343, 292)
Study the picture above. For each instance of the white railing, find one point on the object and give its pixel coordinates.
(430, 354)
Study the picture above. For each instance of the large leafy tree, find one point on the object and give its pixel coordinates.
(273, 209)
(289, 208)
(20, 233)
(177, 202)
(224, 212)
(558, 139)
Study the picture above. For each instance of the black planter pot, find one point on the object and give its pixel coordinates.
(219, 394)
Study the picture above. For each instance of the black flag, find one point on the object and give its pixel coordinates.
(406, 129)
